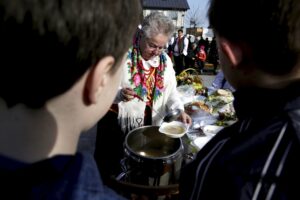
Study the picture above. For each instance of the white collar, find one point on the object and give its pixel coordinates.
(153, 62)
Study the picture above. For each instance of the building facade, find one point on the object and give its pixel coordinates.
(175, 9)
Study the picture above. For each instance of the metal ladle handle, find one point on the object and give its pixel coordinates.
(173, 115)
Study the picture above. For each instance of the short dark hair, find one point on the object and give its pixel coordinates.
(270, 27)
(47, 45)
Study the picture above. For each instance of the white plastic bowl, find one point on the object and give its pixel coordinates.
(211, 130)
(174, 129)
(199, 142)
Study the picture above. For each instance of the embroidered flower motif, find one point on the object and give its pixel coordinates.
(159, 82)
(137, 79)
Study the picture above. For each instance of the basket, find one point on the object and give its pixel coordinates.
(190, 71)
(192, 77)
(189, 76)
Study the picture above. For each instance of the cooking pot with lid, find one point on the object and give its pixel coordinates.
(151, 158)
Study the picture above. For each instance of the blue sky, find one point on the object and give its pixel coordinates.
(198, 10)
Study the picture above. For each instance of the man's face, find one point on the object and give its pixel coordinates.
(151, 47)
(180, 34)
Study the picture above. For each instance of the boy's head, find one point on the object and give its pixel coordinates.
(47, 45)
(267, 31)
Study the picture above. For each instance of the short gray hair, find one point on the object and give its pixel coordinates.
(157, 23)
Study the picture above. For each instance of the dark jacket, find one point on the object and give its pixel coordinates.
(255, 157)
(59, 178)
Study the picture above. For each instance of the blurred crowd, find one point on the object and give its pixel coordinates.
(188, 51)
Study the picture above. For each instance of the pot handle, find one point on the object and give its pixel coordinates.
(121, 175)
(125, 170)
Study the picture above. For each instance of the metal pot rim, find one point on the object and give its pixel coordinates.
(138, 156)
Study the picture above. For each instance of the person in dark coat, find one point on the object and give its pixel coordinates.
(213, 56)
(207, 45)
(191, 56)
(258, 156)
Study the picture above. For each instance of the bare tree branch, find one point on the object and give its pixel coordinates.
(195, 16)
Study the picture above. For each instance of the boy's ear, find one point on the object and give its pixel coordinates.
(97, 79)
(232, 51)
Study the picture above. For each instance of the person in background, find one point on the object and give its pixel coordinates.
(170, 46)
(59, 75)
(201, 42)
(148, 89)
(196, 58)
(220, 82)
(213, 56)
(201, 58)
(207, 45)
(181, 44)
(190, 59)
(258, 156)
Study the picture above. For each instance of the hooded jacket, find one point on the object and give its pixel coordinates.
(255, 158)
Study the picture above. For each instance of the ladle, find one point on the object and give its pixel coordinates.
(170, 116)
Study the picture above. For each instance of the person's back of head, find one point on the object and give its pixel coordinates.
(271, 32)
(59, 73)
(46, 46)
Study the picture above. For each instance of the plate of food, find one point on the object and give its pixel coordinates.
(220, 97)
(174, 129)
(197, 107)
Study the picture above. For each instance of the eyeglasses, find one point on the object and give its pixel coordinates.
(154, 46)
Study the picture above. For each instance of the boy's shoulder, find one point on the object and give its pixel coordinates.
(73, 176)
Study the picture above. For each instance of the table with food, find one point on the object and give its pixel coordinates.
(211, 109)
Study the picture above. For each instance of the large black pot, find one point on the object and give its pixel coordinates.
(151, 158)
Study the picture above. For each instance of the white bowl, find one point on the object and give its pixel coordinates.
(199, 142)
(174, 129)
(211, 129)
